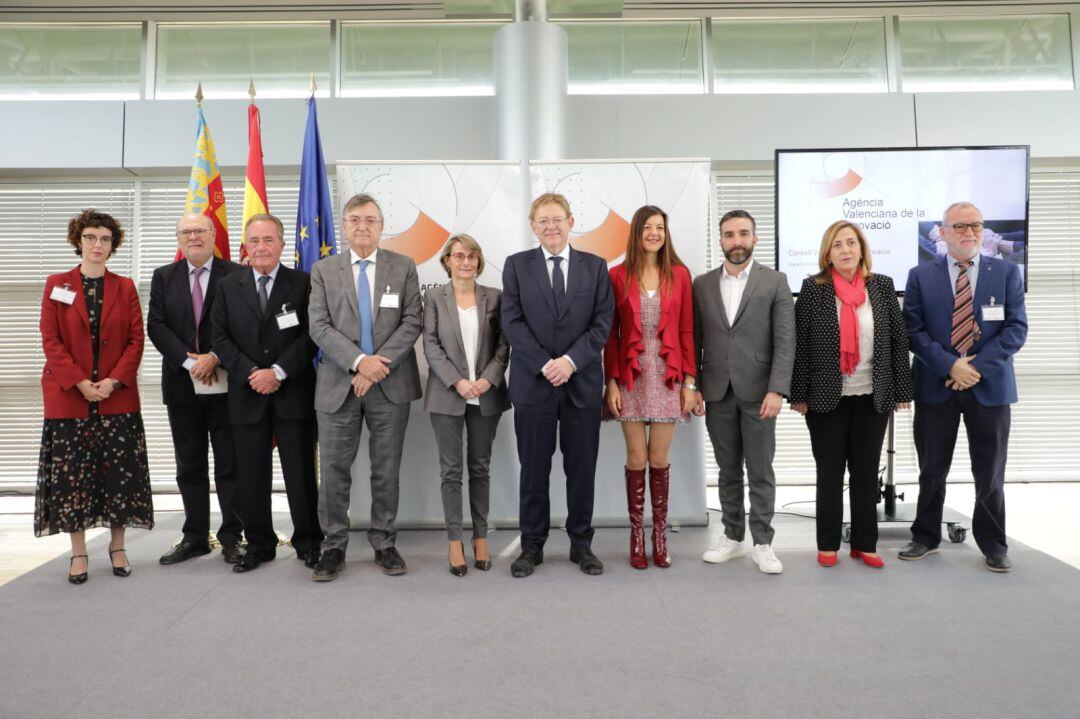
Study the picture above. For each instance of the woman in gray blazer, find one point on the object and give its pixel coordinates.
(466, 388)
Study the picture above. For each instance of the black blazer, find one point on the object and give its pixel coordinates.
(245, 339)
(816, 379)
(170, 323)
(537, 334)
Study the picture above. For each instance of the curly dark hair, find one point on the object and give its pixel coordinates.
(92, 218)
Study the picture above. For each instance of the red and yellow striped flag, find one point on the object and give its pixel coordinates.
(255, 202)
(205, 194)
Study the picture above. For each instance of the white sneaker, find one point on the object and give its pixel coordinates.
(766, 560)
(727, 549)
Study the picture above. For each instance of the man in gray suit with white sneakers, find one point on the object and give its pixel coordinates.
(744, 334)
(365, 313)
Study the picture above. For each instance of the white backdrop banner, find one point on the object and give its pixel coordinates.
(425, 203)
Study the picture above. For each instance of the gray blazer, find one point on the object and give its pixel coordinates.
(334, 318)
(446, 354)
(756, 353)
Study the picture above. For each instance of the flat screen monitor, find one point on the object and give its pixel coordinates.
(898, 197)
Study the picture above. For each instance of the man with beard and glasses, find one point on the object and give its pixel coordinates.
(744, 337)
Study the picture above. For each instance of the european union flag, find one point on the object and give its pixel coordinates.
(315, 213)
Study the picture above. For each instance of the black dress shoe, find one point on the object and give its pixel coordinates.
(390, 561)
(998, 562)
(82, 576)
(482, 564)
(329, 566)
(587, 561)
(120, 571)
(526, 562)
(310, 557)
(252, 559)
(184, 551)
(914, 550)
(232, 553)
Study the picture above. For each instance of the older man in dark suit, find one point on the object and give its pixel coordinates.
(556, 314)
(965, 320)
(179, 323)
(261, 335)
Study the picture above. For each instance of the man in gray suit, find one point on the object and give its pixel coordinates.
(744, 333)
(366, 314)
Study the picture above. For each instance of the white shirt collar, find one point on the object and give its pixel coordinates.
(272, 273)
(354, 258)
(742, 273)
(206, 266)
(565, 254)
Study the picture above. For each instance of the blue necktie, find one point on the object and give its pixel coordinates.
(558, 284)
(363, 301)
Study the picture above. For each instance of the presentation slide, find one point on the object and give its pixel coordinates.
(898, 197)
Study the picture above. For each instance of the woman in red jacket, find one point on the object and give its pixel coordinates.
(649, 367)
(93, 470)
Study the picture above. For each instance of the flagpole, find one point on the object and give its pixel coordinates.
(251, 89)
(312, 87)
(198, 96)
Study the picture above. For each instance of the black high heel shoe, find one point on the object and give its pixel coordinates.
(120, 571)
(458, 570)
(482, 564)
(78, 578)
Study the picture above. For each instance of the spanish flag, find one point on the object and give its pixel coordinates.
(255, 202)
(205, 195)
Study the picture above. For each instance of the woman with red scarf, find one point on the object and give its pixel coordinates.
(851, 372)
(649, 367)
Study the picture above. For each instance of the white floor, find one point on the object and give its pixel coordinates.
(1040, 515)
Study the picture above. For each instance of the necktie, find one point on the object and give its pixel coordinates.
(264, 298)
(363, 301)
(197, 302)
(558, 284)
(963, 316)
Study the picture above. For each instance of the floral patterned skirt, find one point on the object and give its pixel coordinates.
(93, 472)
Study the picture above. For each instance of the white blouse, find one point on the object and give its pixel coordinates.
(862, 380)
(470, 334)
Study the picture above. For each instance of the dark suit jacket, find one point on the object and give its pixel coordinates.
(816, 379)
(676, 329)
(445, 351)
(246, 340)
(537, 333)
(69, 358)
(928, 306)
(170, 322)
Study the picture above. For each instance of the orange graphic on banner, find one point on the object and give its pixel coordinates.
(421, 242)
(835, 188)
(608, 240)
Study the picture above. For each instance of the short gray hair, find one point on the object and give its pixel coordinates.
(963, 205)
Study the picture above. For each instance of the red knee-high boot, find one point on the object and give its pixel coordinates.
(658, 489)
(635, 505)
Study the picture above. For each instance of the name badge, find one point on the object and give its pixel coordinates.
(390, 300)
(287, 318)
(993, 313)
(61, 294)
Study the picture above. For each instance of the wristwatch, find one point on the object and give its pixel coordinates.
(690, 386)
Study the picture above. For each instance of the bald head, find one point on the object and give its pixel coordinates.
(195, 238)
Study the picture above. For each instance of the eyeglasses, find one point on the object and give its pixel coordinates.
(199, 232)
(95, 240)
(551, 221)
(962, 227)
(463, 256)
(365, 221)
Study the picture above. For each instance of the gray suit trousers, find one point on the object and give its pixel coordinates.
(738, 435)
(339, 440)
(477, 445)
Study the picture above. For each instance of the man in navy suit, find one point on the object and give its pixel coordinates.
(965, 320)
(556, 314)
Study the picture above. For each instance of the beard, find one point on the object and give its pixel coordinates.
(738, 255)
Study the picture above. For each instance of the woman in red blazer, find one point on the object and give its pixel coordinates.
(649, 368)
(93, 469)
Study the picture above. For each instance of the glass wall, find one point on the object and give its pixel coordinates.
(62, 62)
(635, 57)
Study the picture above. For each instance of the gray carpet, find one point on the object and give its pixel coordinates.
(941, 638)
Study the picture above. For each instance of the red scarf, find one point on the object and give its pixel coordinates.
(851, 295)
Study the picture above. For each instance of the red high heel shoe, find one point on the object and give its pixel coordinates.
(825, 560)
(875, 562)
